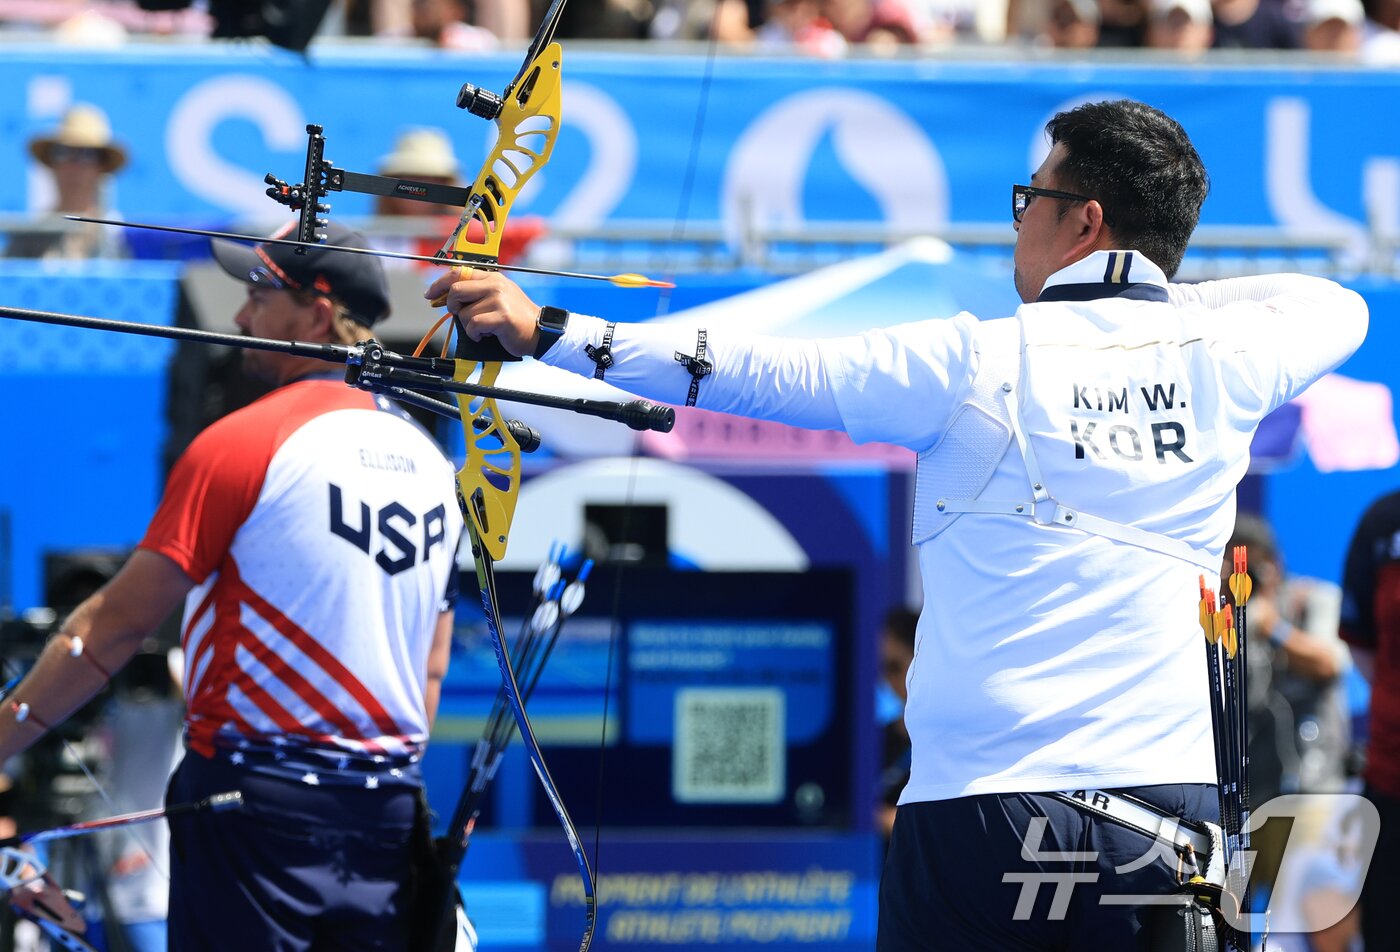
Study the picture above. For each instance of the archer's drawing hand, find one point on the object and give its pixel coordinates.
(42, 899)
(488, 304)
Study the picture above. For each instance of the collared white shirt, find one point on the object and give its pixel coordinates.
(1048, 658)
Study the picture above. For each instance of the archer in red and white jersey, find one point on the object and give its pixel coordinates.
(312, 538)
(320, 526)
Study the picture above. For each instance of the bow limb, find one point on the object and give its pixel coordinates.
(486, 580)
(527, 121)
(488, 486)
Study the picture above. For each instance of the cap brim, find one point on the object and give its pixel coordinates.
(240, 261)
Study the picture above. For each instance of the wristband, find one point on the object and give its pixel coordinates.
(76, 649)
(550, 325)
(25, 715)
(1281, 633)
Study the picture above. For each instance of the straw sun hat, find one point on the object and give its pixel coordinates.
(421, 153)
(83, 127)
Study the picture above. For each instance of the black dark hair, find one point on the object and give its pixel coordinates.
(902, 622)
(1140, 165)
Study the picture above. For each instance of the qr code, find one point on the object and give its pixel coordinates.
(730, 746)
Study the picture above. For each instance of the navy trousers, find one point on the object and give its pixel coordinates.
(964, 875)
(299, 869)
(1378, 926)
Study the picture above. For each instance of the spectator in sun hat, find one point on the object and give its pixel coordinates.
(425, 154)
(1186, 26)
(1073, 24)
(81, 157)
(1333, 26)
(85, 135)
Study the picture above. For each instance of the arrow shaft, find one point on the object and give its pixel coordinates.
(468, 260)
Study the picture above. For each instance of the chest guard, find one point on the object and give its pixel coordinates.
(959, 466)
(952, 475)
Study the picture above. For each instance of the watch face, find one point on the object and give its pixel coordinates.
(550, 325)
(552, 320)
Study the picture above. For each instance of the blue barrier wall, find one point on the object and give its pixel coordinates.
(82, 414)
(913, 144)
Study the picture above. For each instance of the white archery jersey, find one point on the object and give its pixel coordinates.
(1048, 657)
(321, 530)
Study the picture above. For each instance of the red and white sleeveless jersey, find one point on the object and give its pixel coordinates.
(320, 526)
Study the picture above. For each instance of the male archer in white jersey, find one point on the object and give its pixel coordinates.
(1077, 472)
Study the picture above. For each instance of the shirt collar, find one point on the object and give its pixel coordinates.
(1105, 274)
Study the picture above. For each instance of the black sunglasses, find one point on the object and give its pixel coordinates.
(74, 153)
(1021, 198)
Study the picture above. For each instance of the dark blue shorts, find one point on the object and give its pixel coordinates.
(1382, 883)
(299, 868)
(956, 878)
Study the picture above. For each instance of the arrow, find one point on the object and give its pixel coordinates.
(627, 280)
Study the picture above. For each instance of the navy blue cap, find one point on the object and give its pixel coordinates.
(357, 281)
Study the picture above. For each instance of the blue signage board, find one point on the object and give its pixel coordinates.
(911, 144)
(741, 890)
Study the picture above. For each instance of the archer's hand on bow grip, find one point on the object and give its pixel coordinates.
(486, 350)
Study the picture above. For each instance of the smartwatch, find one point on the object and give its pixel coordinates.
(550, 324)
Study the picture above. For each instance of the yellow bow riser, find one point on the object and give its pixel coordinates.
(526, 131)
(489, 481)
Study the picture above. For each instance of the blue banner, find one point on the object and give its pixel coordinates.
(760, 890)
(780, 142)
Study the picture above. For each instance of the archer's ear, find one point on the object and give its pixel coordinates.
(1094, 224)
(323, 320)
(1091, 232)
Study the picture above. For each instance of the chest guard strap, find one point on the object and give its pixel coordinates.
(953, 474)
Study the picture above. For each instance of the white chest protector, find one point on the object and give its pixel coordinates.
(953, 474)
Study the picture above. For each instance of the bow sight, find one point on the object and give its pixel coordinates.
(321, 178)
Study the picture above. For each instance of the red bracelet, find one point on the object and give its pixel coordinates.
(23, 713)
(76, 649)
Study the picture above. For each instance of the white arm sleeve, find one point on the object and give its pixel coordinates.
(1303, 326)
(895, 385)
(1261, 287)
(767, 378)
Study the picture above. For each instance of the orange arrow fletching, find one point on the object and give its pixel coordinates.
(1211, 607)
(639, 281)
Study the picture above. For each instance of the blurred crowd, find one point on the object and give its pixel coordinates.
(1363, 30)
